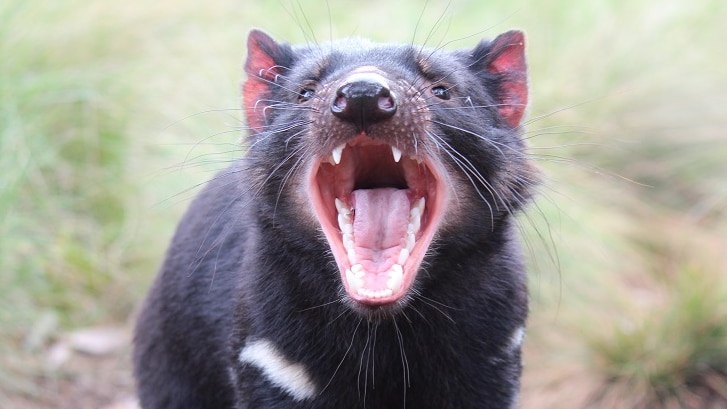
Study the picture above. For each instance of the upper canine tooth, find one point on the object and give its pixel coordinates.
(397, 154)
(337, 153)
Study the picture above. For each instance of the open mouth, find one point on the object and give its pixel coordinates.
(379, 211)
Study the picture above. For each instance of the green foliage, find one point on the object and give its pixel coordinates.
(63, 161)
(668, 353)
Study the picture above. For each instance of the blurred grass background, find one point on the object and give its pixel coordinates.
(112, 113)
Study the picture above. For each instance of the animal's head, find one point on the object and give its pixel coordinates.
(387, 150)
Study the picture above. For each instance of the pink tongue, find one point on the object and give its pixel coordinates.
(380, 220)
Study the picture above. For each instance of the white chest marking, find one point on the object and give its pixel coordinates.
(516, 339)
(291, 377)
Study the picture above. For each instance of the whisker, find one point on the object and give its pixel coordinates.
(404, 360)
(365, 353)
(353, 337)
(320, 305)
(469, 171)
(429, 303)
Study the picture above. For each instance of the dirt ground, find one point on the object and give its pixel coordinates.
(91, 376)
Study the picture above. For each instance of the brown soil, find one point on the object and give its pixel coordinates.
(82, 381)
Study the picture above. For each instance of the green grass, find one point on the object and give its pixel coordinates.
(111, 114)
(65, 186)
(666, 355)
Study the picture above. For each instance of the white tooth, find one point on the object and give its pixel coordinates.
(347, 228)
(384, 293)
(415, 213)
(410, 242)
(340, 206)
(351, 256)
(394, 283)
(357, 270)
(337, 153)
(420, 205)
(396, 269)
(342, 209)
(354, 282)
(374, 294)
(415, 223)
(396, 278)
(348, 243)
(402, 257)
(342, 221)
(415, 216)
(397, 154)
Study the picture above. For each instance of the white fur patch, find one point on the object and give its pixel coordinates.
(516, 339)
(291, 377)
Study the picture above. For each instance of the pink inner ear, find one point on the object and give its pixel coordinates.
(509, 51)
(253, 92)
(261, 72)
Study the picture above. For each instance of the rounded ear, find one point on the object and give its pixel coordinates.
(505, 57)
(266, 60)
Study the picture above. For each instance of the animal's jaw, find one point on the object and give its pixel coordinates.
(379, 211)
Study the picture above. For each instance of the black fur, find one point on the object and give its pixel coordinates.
(248, 261)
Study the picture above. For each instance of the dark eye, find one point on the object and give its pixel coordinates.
(306, 94)
(441, 92)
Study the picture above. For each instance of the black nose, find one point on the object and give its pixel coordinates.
(364, 100)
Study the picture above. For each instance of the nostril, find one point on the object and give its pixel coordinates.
(386, 103)
(363, 102)
(339, 104)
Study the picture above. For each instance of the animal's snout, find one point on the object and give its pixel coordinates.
(364, 99)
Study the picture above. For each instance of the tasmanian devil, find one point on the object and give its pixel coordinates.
(363, 253)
